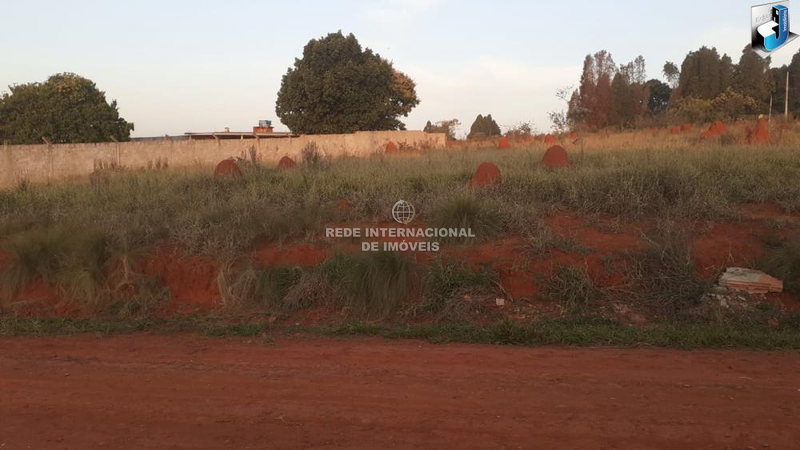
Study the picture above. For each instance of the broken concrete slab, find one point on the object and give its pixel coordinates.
(750, 281)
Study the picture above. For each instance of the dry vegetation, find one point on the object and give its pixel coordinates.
(84, 238)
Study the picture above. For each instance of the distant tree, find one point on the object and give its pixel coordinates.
(704, 74)
(561, 120)
(443, 126)
(66, 108)
(483, 126)
(692, 110)
(624, 104)
(671, 73)
(591, 105)
(731, 105)
(521, 130)
(338, 87)
(658, 96)
(778, 76)
(751, 77)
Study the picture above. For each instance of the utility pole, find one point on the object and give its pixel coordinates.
(770, 108)
(786, 105)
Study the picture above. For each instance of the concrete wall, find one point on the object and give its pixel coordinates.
(46, 163)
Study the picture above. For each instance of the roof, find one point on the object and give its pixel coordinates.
(240, 134)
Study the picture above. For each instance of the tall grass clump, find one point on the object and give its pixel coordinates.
(69, 257)
(371, 285)
(664, 277)
(449, 284)
(573, 288)
(466, 211)
(783, 262)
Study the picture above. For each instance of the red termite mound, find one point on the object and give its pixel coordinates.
(549, 139)
(390, 148)
(685, 128)
(759, 135)
(286, 163)
(674, 130)
(486, 175)
(716, 129)
(504, 143)
(556, 156)
(227, 168)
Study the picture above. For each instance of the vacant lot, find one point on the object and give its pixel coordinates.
(631, 237)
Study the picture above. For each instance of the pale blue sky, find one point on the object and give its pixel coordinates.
(177, 66)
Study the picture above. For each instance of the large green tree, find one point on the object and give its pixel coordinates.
(751, 77)
(338, 87)
(66, 108)
(483, 127)
(704, 74)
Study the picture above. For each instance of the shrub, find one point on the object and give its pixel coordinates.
(783, 261)
(371, 284)
(466, 212)
(664, 276)
(573, 288)
(447, 283)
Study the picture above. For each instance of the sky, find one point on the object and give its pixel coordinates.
(181, 66)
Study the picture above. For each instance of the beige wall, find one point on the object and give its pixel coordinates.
(43, 163)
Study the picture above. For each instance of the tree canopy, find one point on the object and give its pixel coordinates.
(66, 108)
(338, 87)
(482, 127)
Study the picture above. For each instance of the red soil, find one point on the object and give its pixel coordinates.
(391, 148)
(555, 157)
(185, 391)
(486, 175)
(286, 163)
(716, 129)
(549, 139)
(504, 144)
(573, 136)
(343, 205)
(759, 135)
(227, 167)
(303, 255)
(686, 127)
(607, 242)
(675, 130)
(190, 279)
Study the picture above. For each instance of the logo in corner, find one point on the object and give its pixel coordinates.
(403, 212)
(769, 28)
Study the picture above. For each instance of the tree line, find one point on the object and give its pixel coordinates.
(707, 86)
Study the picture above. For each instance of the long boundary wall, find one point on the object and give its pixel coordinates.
(39, 163)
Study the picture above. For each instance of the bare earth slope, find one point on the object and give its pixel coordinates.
(181, 391)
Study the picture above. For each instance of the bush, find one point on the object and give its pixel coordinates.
(466, 212)
(573, 288)
(783, 261)
(448, 282)
(664, 276)
(371, 284)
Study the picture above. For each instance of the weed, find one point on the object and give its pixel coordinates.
(371, 284)
(664, 276)
(466, 212)
(783, 261)
(573, 288)
(448, 285)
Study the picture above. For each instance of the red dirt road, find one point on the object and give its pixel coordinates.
(181, 391)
